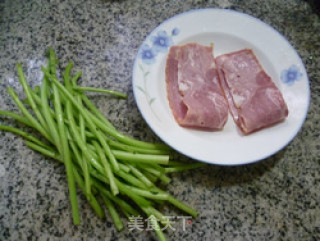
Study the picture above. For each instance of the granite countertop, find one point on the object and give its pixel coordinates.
(274, 199)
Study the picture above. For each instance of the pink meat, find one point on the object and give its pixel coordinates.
(254, 100)
(194, 92)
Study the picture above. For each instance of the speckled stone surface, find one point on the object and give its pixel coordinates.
(275, 199)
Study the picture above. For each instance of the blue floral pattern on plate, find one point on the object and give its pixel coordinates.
(175, 31)
(159, 43)
(147, 54)
(291, 75)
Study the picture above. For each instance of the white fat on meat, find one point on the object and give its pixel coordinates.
(273, 95)
(238, 99)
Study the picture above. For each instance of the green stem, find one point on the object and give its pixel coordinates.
(126, 190)
(183, 167)
(85, 115)
(125, 139)
(123, 204)
(113, 213)
(21, 133)
(141, 158)
(48, 116)
(84, 167)
(107, 169)
(182, 206)
(17, 117)
(150, 195)
(96, 112)
(66, 156)
(29, 97)
(158, 174)
(66, 76)
(134, 149)
(52, 154)
(75, 78)
(124, 167)
(45, 151)
(27, 114)
(131, 179)
(155, 224)
(92, 200)
(105, 91)
(140, 176)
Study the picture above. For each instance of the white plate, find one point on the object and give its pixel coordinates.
(229, 31)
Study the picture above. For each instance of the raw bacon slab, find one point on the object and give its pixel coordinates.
(194, 92)
(254, 100)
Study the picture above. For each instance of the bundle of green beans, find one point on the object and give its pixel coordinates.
(99, 159)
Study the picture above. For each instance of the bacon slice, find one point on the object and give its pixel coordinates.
(254, 100)
(194, 92)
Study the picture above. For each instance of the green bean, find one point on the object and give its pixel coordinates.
(158, 231)
(98, 158)
(140, 176)
(151, 165)
(35, 95)
(124, 212)
(123, 204)
(81, 144)
(178, 168)
(17, 117)
(134, 149)
(182, 206)
(113, 213)
(124, 174)
(75, 78)
(112, 92)
(106, 126)
(141, 158)
(125, 139)
(21, 133)
(126, 190)
(124, 167)
(37, 99)
(93, 159)
(131, 179)
(48, 116)
(66, 154)
(95, 111)
(91, 125)
(37, 90)
(27, 114)
(150, 176)
(149, 194)
(82, 125)
(92, 200)
(82, 162)
(93, 151)
(52, 62)
(66, 76)
(45, 151)
(107, 168)
(155, 224)
(29, 96)
(86, 164)
(152, 211)
(158, 174)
